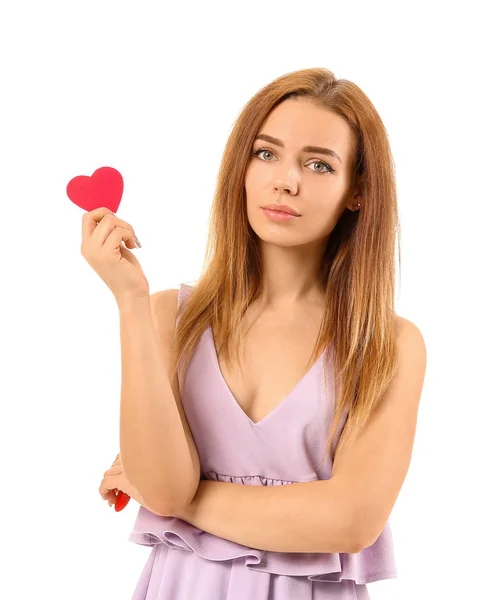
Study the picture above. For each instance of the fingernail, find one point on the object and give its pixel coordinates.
(138, 243)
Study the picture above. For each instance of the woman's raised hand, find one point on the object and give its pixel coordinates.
(102, 236)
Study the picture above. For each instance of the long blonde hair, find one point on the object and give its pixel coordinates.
(358, 269)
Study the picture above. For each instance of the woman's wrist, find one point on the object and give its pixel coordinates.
(133, 303)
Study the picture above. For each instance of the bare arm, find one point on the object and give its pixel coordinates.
(156, 445)
(299, 517)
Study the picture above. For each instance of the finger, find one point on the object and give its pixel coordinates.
(107, 226)
(117, 236)
(109, 483)
(91, 219)
(111, 221)
(108, 495)
(114, 470)
(93, 226)
(111, 496)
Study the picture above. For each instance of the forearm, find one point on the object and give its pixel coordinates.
(153, 444)
(299, 517)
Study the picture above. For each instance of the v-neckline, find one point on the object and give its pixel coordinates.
(278, 406)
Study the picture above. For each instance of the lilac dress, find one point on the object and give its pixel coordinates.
(187, 563)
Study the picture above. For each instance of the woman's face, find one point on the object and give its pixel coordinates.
(312, 182)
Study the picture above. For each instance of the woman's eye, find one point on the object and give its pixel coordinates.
(327, 169)
(320, 162)
(257, 152)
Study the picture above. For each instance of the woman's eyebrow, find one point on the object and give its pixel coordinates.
(273, 140)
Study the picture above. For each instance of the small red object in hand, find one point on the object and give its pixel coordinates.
(122, 500)
(103, 188)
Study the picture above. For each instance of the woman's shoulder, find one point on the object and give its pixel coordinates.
(165, 298)
(164, 304)
(408, 335)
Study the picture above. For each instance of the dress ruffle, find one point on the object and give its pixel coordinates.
(371, 564)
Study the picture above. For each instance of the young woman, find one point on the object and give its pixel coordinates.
(268, 413)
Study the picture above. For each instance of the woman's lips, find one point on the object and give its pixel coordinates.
(278, 215)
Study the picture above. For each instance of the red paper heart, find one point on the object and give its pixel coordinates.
(103, 188)
(121, 500)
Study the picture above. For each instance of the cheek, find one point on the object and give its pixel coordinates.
(249, 180)
(261, 173)
(332, 210)
(323, 214)
(331, 214)
(255, 192)
(254, 180)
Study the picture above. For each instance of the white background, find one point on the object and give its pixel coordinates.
(154, 91)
